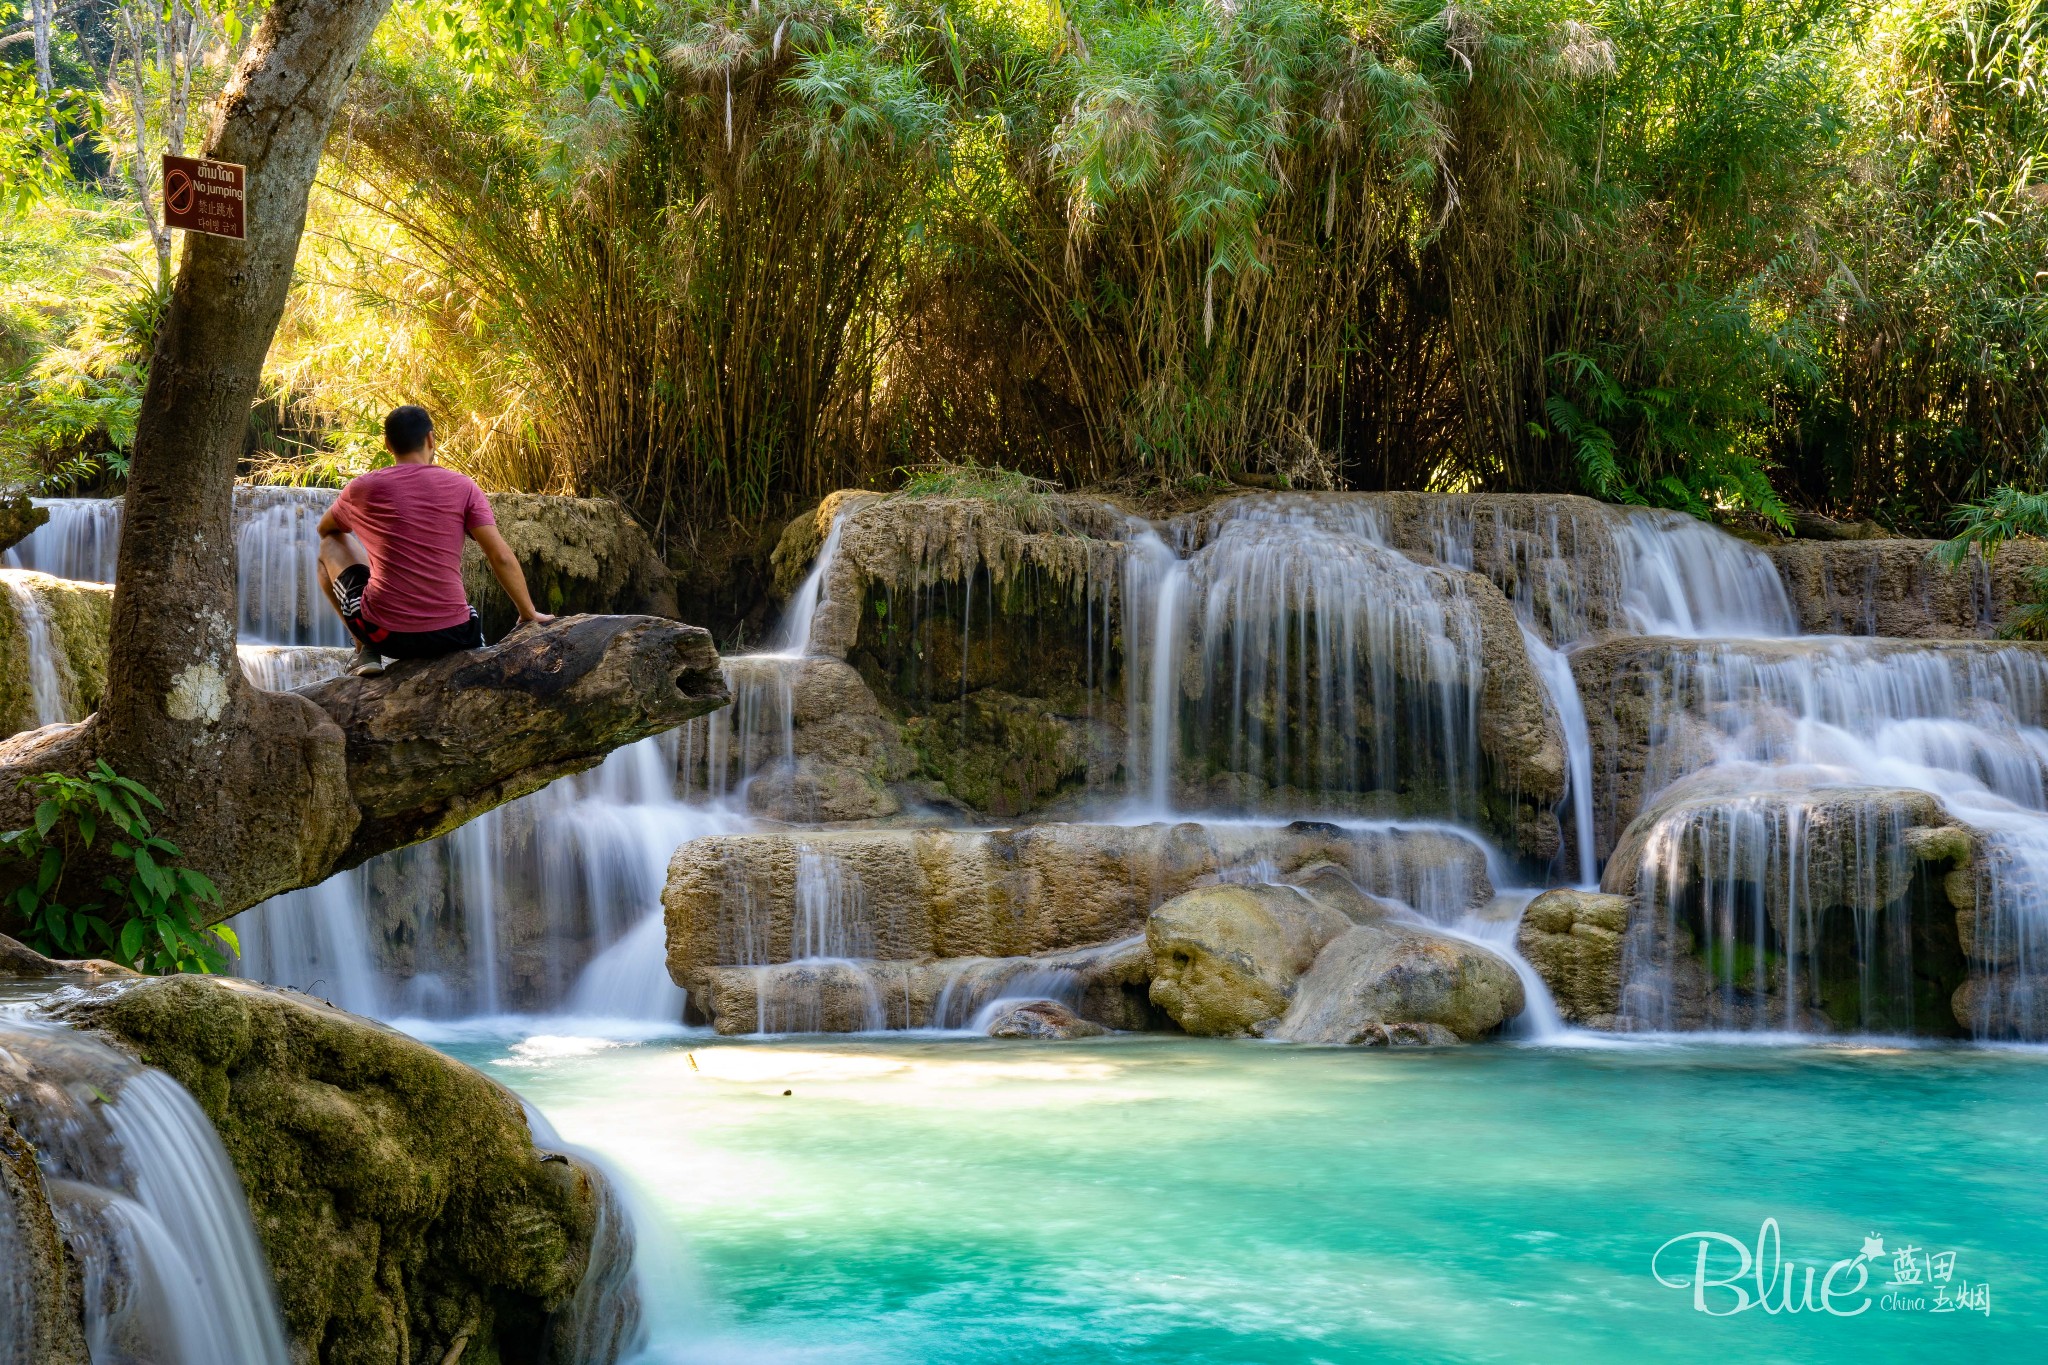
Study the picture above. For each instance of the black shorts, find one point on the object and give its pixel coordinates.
(399, 644)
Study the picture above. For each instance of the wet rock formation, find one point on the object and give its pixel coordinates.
(399, 1196)
(1047, 1020)
(41, 1311)
(18, 517)
(1821, 907)
(1393, 983)
(63, 622)
(1226, 958)
(1104, 985)
(1321, 963)
(1896, 588)
(1574, 941)
(1659, 708)
(913, 895)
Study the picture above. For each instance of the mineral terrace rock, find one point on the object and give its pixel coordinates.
(79, 617)
(19, 517)
(578, 554)
(398, 1194)
(913, 895)
(1896, 587)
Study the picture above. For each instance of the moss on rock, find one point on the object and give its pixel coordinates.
(80, 620)
(398, 1194)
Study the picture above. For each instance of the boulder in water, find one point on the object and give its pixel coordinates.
(1045, 1019)
(398, 1194)
(1226, 958)
(1380, 984)
(1574, 941)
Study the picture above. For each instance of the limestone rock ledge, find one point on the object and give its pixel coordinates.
(398, 1194)
(916, 895)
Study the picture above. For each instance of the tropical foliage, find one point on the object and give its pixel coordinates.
(714, 258)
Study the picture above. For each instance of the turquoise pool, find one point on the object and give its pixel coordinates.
(1167, 1199)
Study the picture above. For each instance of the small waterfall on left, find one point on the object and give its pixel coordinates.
(46, 685)
(149, 1205)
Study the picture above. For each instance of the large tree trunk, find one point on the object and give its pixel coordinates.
(269, 791)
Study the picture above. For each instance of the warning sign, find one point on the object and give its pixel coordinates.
(204, 196)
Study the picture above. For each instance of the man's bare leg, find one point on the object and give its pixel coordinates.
(339, 552)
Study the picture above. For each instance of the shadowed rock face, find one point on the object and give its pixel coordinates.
(41, 1313)
(1804, 905)
(921, 894)
(578, 554)
(1896, 588)
(403, 1206)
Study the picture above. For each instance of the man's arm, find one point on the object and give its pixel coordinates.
(505, 568)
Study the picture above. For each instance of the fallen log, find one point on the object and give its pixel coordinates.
(336, 773)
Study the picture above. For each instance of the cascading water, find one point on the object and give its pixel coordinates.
(149, 1204)
(551, 902)
(81, 540)
(1767, 834)
(277, 542)
(1294, 653)
(46, 685)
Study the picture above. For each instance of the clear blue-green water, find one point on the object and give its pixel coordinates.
(1167, 1199)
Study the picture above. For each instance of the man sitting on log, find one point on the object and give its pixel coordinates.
(391, 553)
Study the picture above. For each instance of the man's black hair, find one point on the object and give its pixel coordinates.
(407, 428)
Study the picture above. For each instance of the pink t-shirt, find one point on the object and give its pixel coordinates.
(412, 518)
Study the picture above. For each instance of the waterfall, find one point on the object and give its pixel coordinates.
(736, 743)
(1765, 752)
(81, 540)
(550, 902)
(46, 685)
(277, 540)
(793, 636)
(1327, 668)
(1554, 671)
(148, 1201)
(285, 668)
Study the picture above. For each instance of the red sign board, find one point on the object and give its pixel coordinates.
(204, 196)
